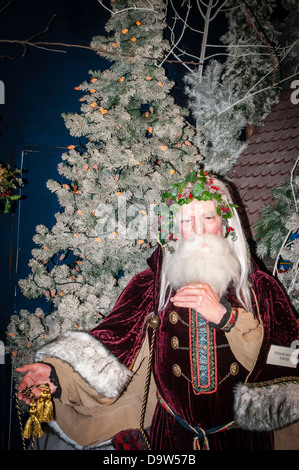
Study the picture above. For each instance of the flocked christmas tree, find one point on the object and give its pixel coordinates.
(255, 56)
(277, 235)
(135, 142)
(227, 96)
(217, 133)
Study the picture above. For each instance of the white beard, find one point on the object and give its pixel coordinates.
(208, 259)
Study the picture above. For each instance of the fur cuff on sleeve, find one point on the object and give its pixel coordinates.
(90, 359)
(266, 408)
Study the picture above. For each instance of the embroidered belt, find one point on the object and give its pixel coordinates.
(199, 433)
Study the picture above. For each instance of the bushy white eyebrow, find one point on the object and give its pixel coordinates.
(211, 214)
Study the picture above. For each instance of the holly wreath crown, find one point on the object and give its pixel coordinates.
(197, 185)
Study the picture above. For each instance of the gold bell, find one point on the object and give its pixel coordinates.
(154, 322)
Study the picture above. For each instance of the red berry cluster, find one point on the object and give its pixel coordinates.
(7, 193)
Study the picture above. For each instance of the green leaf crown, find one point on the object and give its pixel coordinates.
(197, 185)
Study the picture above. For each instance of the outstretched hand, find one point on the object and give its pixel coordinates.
(36, 374)
(203, 299)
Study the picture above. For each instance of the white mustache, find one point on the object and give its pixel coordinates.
(207, 259)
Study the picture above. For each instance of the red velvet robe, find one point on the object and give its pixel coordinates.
(197, 386)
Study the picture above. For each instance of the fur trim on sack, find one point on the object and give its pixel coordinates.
(266, 408)
(61, 436)
(90, 359)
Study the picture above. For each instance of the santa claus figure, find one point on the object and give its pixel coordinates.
(218, 333)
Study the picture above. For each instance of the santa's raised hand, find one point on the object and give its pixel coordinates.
(202, 298)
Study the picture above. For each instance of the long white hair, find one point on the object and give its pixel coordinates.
(238, 246)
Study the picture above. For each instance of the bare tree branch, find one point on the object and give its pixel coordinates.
(5, 6)
(43, 44)
(37, 35)
(218, 10)
(184, 21)
(46, 30)
(116, 12)
(244, 98)
(205, 38)
(181, 35)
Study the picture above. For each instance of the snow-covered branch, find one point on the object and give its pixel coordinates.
(284, 243)
(246, 97)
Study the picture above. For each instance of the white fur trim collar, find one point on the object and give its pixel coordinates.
(90, 359)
